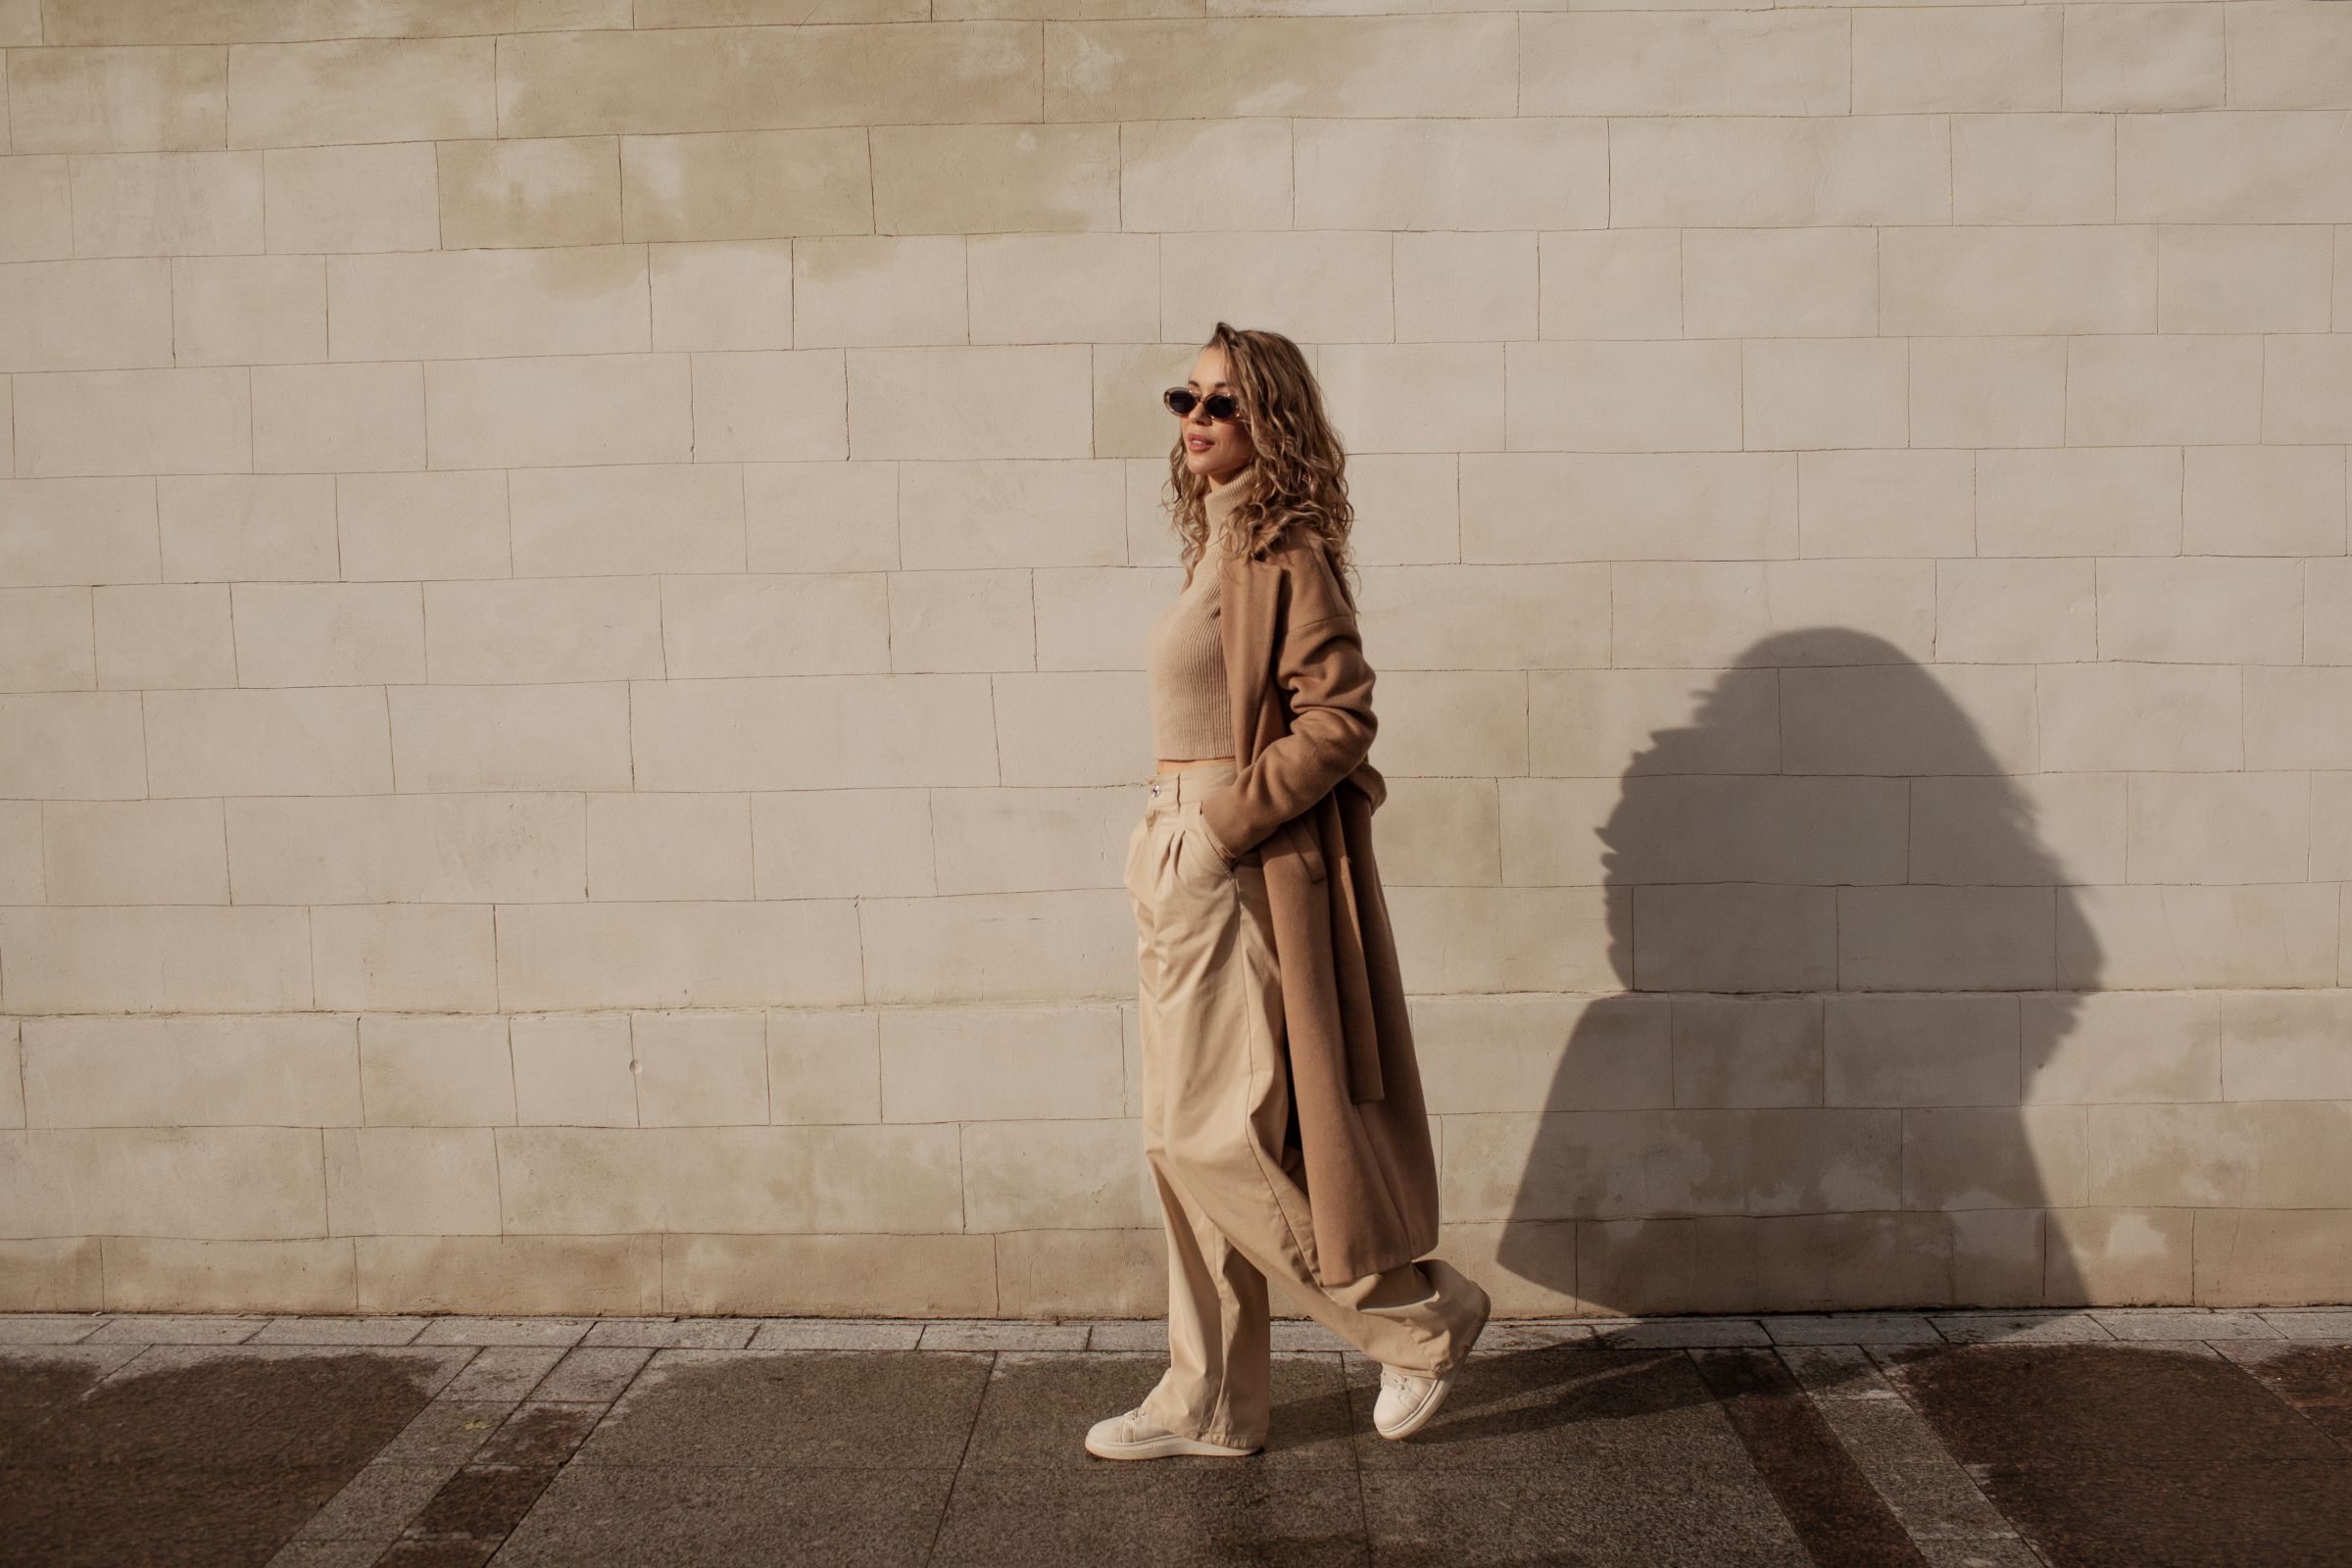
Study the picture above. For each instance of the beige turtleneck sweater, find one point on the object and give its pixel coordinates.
(1184, 657)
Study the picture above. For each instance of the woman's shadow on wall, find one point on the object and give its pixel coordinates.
(1831, 903)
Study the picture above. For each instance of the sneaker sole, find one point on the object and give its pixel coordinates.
(1164, 1447)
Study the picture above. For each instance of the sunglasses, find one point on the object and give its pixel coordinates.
(1181, 402)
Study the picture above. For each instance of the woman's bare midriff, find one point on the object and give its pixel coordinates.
(1179, 764)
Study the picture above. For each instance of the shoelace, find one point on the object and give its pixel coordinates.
(1391, 1378)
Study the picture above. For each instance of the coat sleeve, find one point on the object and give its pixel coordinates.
(1320, 665)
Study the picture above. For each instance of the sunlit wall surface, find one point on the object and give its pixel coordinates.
(571, 589)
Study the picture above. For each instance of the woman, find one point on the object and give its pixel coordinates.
(1277, 1060)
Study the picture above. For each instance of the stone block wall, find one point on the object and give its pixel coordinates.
(573, 576)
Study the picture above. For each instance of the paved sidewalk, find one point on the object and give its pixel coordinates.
(2138, 1438)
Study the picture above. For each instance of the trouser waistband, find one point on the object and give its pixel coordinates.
(1186, 786)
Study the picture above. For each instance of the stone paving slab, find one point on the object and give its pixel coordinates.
(1851, 1328)
(504, 1331)
(178, 1329)
(1985, 1438)
(665, 1333)
(832, 1334)
(1682, 1333)
(2311, 1325)
(1004, 1336)
(2173, 1323)
(340, 1331)
(504, 1371)
(47, 1328)
(1976, 1328)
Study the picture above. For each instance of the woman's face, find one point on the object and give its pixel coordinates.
(1212, 446)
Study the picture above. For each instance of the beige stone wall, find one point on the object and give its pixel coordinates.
(571, 582)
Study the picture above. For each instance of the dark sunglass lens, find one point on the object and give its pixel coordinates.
(1220, 405)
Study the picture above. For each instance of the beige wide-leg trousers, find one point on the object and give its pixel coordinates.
(1216, 1104)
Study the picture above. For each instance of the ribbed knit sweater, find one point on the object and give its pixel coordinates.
(1184, 657)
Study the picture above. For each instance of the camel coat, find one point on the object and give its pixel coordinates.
(1302, 796)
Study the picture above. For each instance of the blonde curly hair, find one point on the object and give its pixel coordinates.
(1302, 470)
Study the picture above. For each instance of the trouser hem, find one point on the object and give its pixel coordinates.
(1226, 1440)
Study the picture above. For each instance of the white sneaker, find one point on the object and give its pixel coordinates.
(1407, 1399)
(1136, 1435)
